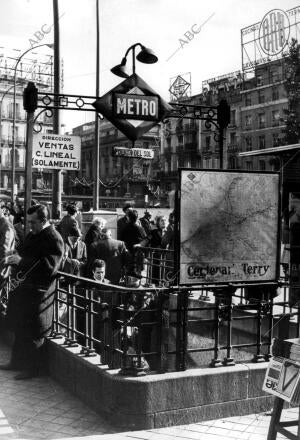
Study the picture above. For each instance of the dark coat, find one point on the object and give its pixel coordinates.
(93, 234)
(75, 259)
(121, 224)
(156, 238)
(66, 225)
(114, 253)
(134, 234)
(30, 305)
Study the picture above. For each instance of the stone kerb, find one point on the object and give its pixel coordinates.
(158, 400)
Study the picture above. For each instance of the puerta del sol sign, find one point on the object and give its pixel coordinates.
(133, 107)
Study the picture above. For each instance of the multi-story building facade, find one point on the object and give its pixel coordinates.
(257, 106)
(119, 176)
(180, 147)
(264, 100)
(43, 79)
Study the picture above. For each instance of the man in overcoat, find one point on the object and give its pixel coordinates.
(113, 252)
(68, 222)
(30, 304)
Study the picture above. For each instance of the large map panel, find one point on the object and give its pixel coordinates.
(228, 226)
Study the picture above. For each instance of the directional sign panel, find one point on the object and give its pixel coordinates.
(133, 107)
(55, 151)
(136, 153)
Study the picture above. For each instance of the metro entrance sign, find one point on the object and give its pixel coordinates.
(133, 107)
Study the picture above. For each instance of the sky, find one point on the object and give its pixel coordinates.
(163, 25)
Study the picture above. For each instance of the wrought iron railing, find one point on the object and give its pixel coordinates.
(170, 328)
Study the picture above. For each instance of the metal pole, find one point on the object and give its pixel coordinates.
(56, 176)
(97, 134)
(28, 177)
(133, 60)
(221, 146)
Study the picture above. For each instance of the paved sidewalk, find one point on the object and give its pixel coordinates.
(41, 409)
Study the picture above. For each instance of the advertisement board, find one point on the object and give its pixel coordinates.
(229, 227)
(282, 379)
(268, 40)
(55, 151)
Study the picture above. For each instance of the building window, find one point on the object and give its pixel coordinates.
(275, 94)
(247, 99)
(248, 121)
(274, 76)
(233, 138)
(261, 98)
(262, 165)
(262, 141)
(232, 163)
(275, 118)
(261, 120)
(249, 166)
(145, 170)
(276, 140)
(259, 80)
(248, 141)
(233, 117)
(207, 142)
(180, 140)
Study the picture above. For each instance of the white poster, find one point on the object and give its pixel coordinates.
(60, 152)
(228, 226)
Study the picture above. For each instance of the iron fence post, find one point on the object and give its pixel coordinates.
(229, 361)
(216, 362)
(259, 357)
(181, 329)
(163, 331)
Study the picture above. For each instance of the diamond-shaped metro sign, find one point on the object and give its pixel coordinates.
(133, 107)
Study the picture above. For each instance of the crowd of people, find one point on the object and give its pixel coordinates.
(32, 263)
(117, 254)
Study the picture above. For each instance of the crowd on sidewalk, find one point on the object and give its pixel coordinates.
(31, 264)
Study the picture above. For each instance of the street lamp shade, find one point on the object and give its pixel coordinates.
(147, 56)
(121, 69)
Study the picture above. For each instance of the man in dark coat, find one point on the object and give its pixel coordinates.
(75, 254)
(133, 234)
(123, 221)
(30, 304)
(113, 252)
(68, 222)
